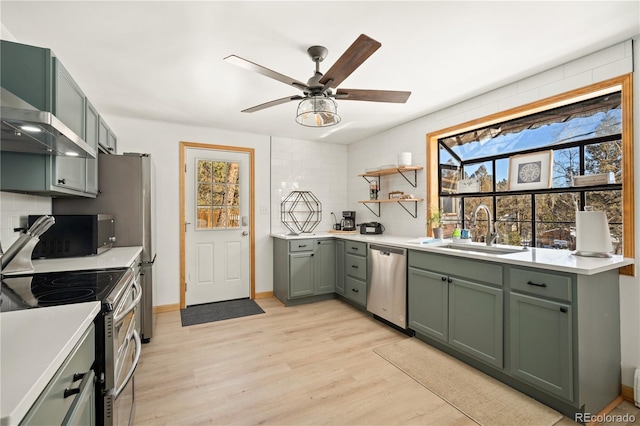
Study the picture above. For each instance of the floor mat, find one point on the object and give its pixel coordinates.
(483, 398)
(218, 311)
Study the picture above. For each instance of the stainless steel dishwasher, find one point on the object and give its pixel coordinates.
(387, 290)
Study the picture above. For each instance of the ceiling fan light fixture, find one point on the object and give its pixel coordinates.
(317, 111)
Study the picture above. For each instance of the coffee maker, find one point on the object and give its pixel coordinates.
(348, 221)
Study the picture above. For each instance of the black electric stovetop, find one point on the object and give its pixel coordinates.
(57, 288)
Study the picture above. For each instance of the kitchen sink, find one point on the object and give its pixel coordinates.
(481, 248)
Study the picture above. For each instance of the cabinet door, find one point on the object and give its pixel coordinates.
(113, 143)
(69, 172)
(428, 303)
(541, 344)
(301, 274)
(340, 256)
(475, 320)
(91, 138)
(69, 101)
(325, 264)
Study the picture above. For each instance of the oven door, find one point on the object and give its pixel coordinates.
(121, 399)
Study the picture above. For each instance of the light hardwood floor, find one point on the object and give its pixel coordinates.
(311, 364)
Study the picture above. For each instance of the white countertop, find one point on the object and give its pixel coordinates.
(35, 343)
(556, 260)
(117, 257)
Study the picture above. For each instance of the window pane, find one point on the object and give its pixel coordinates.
(609, 202)
(234, 173)
(483, 172)
(234, 218)
(555, 220)
(502, 174)
(204, 194)
(566, 164)
(219, 218)
(514, 219)
(604, 157)
(204, 220)
(219, 171)
(218, 194)
(204, 170)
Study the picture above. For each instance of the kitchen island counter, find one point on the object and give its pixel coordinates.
(555, 260)
(35, 343)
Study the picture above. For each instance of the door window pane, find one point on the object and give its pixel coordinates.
(555, 220)
(218, 192)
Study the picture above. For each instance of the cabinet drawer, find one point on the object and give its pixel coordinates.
(475, 270)
(541, 283)
(301, 245)
(355, 247)
(356, 266)
(356, 290)
(52, 407)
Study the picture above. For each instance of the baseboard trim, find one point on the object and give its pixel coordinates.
(627, 393)
(264, 295)
(166, 308)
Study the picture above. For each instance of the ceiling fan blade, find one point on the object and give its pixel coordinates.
(273, 103)
(355, 55)
(372, 95)
(251, 66)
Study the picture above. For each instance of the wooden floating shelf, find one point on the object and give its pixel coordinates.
(394, 170)
(392, 200)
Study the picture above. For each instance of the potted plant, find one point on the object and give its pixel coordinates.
(435, 221)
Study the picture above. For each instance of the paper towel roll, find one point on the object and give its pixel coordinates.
(404, 159)
(592, 234)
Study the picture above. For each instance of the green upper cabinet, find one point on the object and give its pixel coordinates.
(38, 77)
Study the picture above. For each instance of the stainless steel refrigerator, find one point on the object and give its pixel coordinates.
(125, 191)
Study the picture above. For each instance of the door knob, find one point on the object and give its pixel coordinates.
(245, 233)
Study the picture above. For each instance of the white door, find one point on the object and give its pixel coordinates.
(217, 252)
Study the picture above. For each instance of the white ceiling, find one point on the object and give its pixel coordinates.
(163, 60)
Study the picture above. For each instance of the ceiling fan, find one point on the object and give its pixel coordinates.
(316, 108)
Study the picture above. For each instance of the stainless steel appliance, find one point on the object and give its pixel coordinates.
(75, 235)
(348, 222)
(125, 191)
(118, 345)
(387, 290)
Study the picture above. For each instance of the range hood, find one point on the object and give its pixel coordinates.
(26, 129)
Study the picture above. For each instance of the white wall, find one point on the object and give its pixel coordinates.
(299, 165)
(162, 140)
(382, 148)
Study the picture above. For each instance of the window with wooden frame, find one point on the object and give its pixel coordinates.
(583, 132)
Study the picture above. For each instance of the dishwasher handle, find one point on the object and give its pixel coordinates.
(386, 250)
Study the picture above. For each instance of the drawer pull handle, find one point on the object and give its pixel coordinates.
(536, 284)
(301, 245)
(355, 290)
(68, 392)
(354, 266)
(354, 248)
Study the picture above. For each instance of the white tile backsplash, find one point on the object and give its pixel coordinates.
(14, 212)
(310, 166)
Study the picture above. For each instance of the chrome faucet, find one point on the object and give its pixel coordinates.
(492, 235)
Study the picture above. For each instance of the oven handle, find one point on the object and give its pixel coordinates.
(118, 318)
(136, 338)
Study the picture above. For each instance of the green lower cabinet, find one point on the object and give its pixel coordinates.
(541, 341)
(428, 303)
(301, 273)
(355, 290)
(325, 267)
(475, 320)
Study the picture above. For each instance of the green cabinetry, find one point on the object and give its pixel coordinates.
(340, 266)
(552, 335)
(304, 270)
(38, 77)
(355, 278)
(462, 309)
